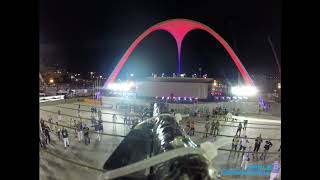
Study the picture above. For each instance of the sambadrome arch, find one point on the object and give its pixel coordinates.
(178, 28)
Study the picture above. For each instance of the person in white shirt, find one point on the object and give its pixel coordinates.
(246, 159)
(243, 143)
(276, 169)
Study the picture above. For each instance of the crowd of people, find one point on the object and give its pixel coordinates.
(77, 127)
(240, 141)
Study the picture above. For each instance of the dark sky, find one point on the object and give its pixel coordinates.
(93, 35)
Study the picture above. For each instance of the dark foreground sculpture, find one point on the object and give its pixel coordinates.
(159, 135)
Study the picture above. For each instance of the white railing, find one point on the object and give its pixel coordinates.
(51, 98)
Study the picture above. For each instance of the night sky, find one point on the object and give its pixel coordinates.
(93, 36)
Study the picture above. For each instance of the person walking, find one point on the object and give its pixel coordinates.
(235, 142)
(206, 126)
(246, 159)
(86, 135)
(267, 146)
(65, 138)
(216, 128)
(239, 129)
(276, 169)
(243, 143)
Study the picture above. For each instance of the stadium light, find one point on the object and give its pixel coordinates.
(244, 90)
(122, 87)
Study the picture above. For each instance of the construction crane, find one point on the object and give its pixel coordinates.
(275, 55)
(42, 81)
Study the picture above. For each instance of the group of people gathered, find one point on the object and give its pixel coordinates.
(80, 129)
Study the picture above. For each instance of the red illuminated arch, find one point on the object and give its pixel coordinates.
(178, 28)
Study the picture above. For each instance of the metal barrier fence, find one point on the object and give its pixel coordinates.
(199, 121)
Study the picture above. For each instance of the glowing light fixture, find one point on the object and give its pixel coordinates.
(244, 91)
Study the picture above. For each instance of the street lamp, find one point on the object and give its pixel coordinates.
(279, 86)
(51, 80)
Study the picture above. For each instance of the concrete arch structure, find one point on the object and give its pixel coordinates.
(178, 28)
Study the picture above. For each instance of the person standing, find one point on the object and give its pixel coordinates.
(114, 120)
(188, 128)
(47, 134)
(235, 142)
(213, 124)
(239, 129)
(79, 106)
(267, 146)
(246, 159)
(243, 143)
(192, 127)
(206, 126)
(42, 124)
(245, 122)
(100, 127)
(43, 140)
(216, 128)
(86, 135)
(93, 121)
(80, 130)
(99, 114)
(59, 115)
(125, 120)
(257, 144)
(65, 138)
(276, 169)
(50, 122)
(79, 113)
(238, 112)
(74, 125)
(97, 129)
(57, 130)
(92, 110)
